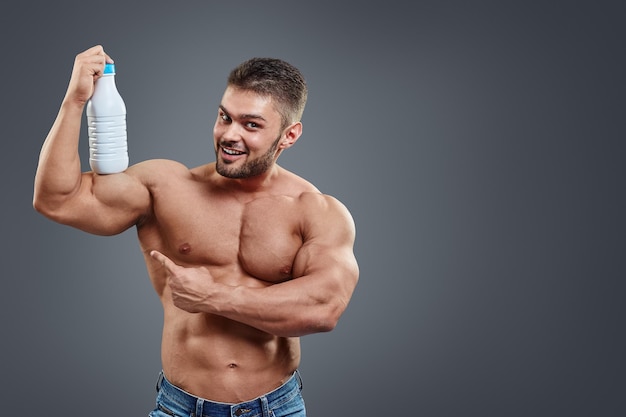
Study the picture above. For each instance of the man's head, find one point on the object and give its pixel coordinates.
(259, 116)
(276, 79)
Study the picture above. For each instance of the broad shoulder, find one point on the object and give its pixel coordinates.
(323, 215)
(318, 204)
(158, 165)
(312, 203)
(155, 172)
(294, 185)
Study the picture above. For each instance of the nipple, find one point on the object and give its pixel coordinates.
(185, 248)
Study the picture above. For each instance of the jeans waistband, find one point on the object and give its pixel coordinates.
(202, 407)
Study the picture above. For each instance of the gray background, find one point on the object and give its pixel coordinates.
(479, 146)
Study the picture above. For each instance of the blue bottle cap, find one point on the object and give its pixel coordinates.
(109, 69)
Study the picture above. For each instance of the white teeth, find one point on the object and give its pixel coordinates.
(232, 152)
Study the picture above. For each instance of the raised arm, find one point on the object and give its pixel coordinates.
(97, 204)
(325, 273)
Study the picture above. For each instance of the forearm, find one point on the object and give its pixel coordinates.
(287, 309)
(59, 171)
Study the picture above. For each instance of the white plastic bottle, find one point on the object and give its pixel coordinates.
(106, 119)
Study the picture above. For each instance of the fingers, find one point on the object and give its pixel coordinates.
(163, 260)
(95, 53)
(95, 56)
(98, 50)
(88, 67)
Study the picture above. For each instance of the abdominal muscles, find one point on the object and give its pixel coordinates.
(222, 360)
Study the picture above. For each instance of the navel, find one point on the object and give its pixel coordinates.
(185, 248)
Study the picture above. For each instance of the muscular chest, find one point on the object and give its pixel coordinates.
(259, 238)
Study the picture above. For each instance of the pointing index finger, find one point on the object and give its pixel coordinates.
(164, 260)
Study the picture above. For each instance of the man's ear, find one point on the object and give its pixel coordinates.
(291, 135)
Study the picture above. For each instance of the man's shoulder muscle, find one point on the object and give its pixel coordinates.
(158, 170)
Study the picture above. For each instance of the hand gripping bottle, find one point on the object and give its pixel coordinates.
(106, 119)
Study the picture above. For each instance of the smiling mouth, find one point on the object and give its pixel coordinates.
(230, 155)
(231, 151)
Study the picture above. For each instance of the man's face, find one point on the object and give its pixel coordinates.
(246, 134)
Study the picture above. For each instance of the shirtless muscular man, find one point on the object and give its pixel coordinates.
(244, 255)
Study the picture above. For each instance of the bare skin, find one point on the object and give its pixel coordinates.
(243, 266)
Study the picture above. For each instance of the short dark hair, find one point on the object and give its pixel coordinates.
(274, 78)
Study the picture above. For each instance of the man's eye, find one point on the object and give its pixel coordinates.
(225, 117)
(252, 125)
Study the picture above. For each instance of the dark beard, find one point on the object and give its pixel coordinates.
(251, 168)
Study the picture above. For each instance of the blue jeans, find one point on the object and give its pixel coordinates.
(284, 401)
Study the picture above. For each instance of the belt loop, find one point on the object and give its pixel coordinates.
(265, 406)
(159, 381)
(199, 407)
(299, 378)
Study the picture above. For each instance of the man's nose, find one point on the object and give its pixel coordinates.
(232, 132)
